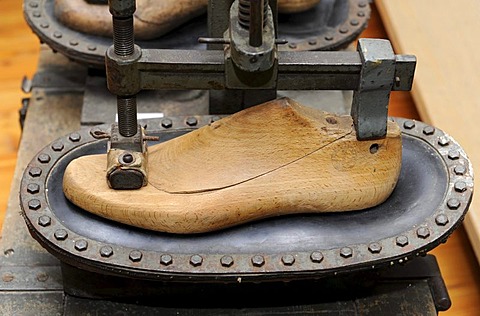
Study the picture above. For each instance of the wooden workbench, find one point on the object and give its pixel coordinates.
(18, 55)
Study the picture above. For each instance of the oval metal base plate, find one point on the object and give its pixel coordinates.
(429, 202)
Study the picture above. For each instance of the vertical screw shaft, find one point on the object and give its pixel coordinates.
(127, 115)
(123, 36)
(257, 15)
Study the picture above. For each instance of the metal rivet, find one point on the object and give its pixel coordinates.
(61, 234)
(167, 123)
(33, 188)
(35, 172)
(428, 130)
(135, 255)
(362, 4)
(57, 146)
(73, 42)
(191, 121)
(166, 260)
(44, 220)
(226, 261)
(292, 45)
(34, 204)
(33, 5)
(288, 260)
(57, 34)
(196, 260)
(42, 277)
(460, 186)
(343, 30)
(346, 252)
(354, 22)
(409, 124)
(75, 137)
(423, 232)
(361, 14)
(8, 277)
(36, 14)
(402, 241)
(92, 48)
(453, 154)
(44, 25)
(43, 158)
(453, 203)
(312, 42)
(375, 247)
(316, 257)
(459, 170)
(106, 251)
(258, 260)
(441, 219)
(81, 245)
(126, 158)
(443, 141)
(329, 38)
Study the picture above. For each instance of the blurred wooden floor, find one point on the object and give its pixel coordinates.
(18, 57)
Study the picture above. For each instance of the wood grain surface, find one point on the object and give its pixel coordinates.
(18, 56)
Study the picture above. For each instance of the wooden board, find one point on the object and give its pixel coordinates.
(443, 34)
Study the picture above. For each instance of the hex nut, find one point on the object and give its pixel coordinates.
(441, 219)
(35, 172)
(33, 188)
(57, 146)
(402, 241)
(106, 251)
(167, 123)
(226, 261)
(43, 158)
(423, 232)
(44, 220)
(460, 170)
(443, 141)
(409, 124)
(196, 260)
(428, 130)
(61, 234)
(460, 186)
(258, 261)
(75, 137)
(453, 203)
(191, 121)
(166, 260)
(346, 252)
(375, 247)
(288, 260)
(81, 245)
(316, 256)
(34, 204)
(453, 154)
(135, 255)
(122, 9)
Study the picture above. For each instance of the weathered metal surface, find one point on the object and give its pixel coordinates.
(332, 25)
(429, 202)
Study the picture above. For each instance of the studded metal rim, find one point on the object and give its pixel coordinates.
(94, 255)
(90, 49)
(339, 36)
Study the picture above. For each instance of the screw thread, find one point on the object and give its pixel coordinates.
(244, 15)
(123, 36)
(127, 116)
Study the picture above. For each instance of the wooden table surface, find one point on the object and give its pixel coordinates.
(18, 57)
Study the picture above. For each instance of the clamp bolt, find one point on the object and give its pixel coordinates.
(44, 221)
(258, 260)
(346, 252)
(81, 245)
(402, 241)
(316, 257)
(106, 251)
(33, 188)
(135, 255)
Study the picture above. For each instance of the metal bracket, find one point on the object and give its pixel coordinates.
(371, 98)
